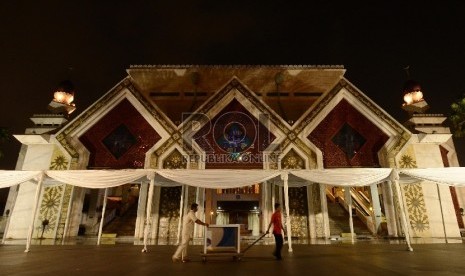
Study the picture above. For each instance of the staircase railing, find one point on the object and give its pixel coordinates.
(360, 206)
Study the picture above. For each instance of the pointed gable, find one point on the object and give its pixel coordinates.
(287, 89)
(350, 130)
(120, 139)
(236, 128)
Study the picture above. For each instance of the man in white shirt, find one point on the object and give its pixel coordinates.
(187, 232)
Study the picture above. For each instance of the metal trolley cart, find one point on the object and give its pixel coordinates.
(222, 241)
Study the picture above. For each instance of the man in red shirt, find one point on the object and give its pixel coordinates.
(278, 230)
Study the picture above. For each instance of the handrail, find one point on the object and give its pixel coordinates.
(363, 195)
(363, 216)
(358, 201)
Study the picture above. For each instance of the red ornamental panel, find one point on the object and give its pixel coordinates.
(234, 139)
(120, 139)
(348, 139)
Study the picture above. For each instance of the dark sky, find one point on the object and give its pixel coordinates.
(40, 41)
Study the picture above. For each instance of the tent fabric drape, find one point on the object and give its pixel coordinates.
(11, 178)
(345, 177)
(218, 179)
(452, 176)
(224, 178)
(98, 178)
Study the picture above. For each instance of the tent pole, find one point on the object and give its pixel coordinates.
(395, 181)
(273, 196)
(285, 177)
(103, 216)
(148, 216)
(68, 214)
(34, 211)
(442, 213)
(181, 203)
(351, 221)
(7, 225)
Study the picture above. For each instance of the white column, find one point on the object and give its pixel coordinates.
(389, 209)
(348, 197)
(324, 210)
(266, 203)
(376, 205)
(285, 178)
(181, 209)
(141, 207)
(34, 211)
(395, 181)
(68, 215)
(311, 212)
(256, 225)
(148, 217)
(103, 216)
(442, 213)
(199, 199)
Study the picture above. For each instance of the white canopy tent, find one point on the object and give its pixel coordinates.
(222, 179)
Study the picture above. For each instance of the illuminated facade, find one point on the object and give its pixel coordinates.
(238, 117)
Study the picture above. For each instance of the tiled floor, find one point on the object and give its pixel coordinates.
(323, 257)
(360, 258)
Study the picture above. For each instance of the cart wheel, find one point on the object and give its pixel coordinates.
(238, 258)
(204, 259)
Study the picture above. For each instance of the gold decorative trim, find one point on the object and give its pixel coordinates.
(64, 139)
(402, 137)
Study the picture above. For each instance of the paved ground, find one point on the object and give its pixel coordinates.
(314, 259)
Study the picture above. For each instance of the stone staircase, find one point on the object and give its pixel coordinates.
(124, 225)
(339, 221)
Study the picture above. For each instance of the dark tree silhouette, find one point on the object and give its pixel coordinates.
(457, 117)
(4, 136)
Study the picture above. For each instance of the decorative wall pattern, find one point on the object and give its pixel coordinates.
(169, 212)
(109, 140)
(298, 205)
(292, 160)
(175, 161)
(413, 197)
(416, 207)
(316, 206)
(234, 138)
(406, 161)
(64, 136)
(49, 211)
(59, 163)
(54, 203)
(64, 210)
(170, 198)
(402, 133)
(345, 117)
(299, 211)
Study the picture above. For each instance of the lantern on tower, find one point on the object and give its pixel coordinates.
(63, 97)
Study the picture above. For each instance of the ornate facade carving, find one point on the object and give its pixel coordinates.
(414, 197)
(170, 198)
(55, 202)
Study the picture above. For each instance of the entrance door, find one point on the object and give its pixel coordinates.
(122, 210)
(244, 213)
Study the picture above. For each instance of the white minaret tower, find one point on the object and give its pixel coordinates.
(416, 106)
(36, 152)
(60, 107)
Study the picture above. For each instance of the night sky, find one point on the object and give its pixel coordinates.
(41, 41)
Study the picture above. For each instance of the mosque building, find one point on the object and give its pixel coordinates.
(206, 117)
